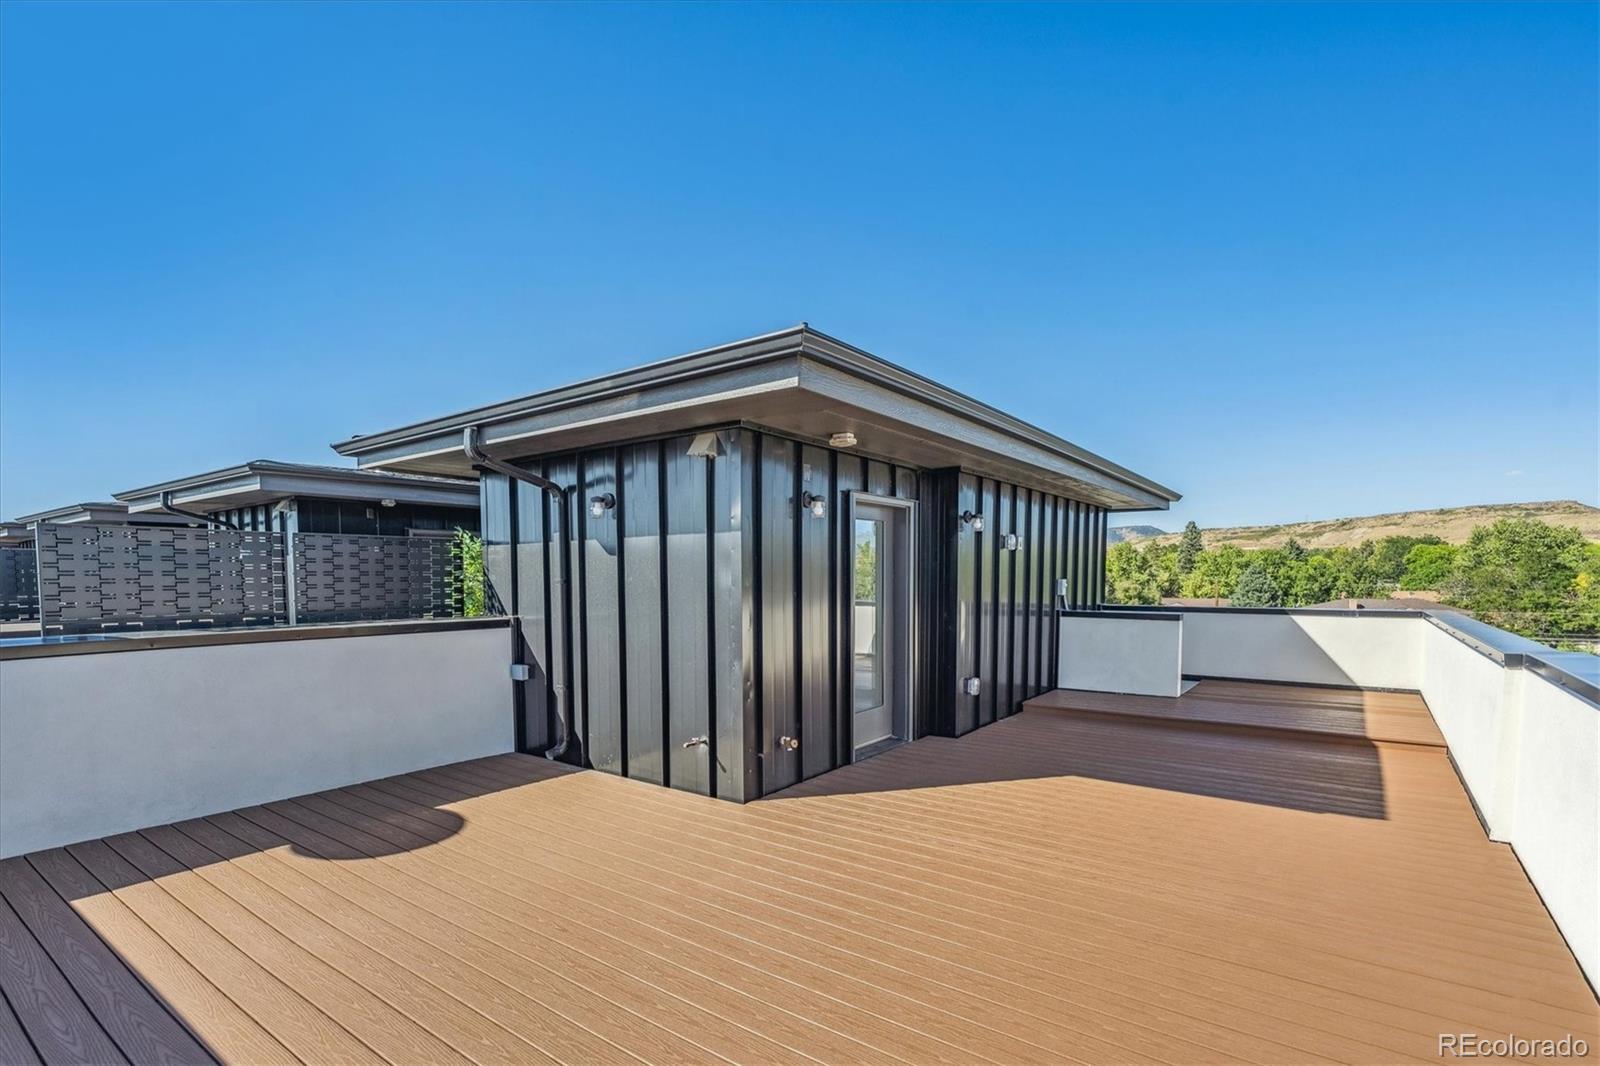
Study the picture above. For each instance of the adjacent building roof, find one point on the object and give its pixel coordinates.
(267, 481)
(97, 513)
(795, 381)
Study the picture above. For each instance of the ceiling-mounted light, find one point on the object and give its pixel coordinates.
(842, 440)
(599, 505)
(818, 505)
(973, 519)
(386, 503)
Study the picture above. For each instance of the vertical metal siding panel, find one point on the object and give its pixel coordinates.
(641, 556)
(603, 650)
(1004, 563)
(816, 603)
(1100, 557)
(733, 574)
(850, 476)
(566, 665)
(1018, 613)
(880, 478)
(689, 636)
(987, 544)
(533, 606)
(1022, 598)
(966, 604)
(1041, 576)
(1057, 554)
(905, 483)
(1078, 545)
(780, 675)
(494, 499)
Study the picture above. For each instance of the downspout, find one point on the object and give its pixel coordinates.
(168, 505)
(471, 443)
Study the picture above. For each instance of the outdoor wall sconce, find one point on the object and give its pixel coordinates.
(818, 505)
(973, 520)
(599, 505)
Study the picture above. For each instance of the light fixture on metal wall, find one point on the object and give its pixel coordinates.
(599, 505)
(846, 439)
(973, 519)
(817, 505)
(1012, 542)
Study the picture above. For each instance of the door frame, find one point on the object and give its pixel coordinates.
(908, 686)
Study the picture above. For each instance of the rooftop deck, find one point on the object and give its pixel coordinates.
(1297, 878)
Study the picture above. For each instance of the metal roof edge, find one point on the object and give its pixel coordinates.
(310, 470)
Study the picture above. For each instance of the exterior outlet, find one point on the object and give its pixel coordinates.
(971, 686)
(520, 672)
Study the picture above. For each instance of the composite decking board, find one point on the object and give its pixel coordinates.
(305, 1031)
(1056, 887)
(713, 1030)
(740, 936)
(1135, 1009)
(571, 985)
(1400, 717)
(467, 885)
(228, 1031)
(139, 1025)
(386, 1031)
(14, 1045)
(59, 1024)
(464, 1031)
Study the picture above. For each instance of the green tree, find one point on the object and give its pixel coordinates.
(1215, 573)
(1428, 566)
(1295, 550)
(1526, 576)
(468, 549)
(1389, 556)
(1257, 588)
(1131, 576)
(1314, 582)
(1189, 548)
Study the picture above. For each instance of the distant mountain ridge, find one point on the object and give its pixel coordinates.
(1450, 524)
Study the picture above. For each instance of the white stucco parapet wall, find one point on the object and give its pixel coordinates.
(1133, 652)
(93, 744)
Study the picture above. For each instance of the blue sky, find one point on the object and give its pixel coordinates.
(1295, 261)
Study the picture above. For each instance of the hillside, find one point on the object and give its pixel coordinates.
(1118, 534)
(1450, 524)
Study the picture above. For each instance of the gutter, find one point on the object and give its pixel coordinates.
(471, 438)
(172, 508)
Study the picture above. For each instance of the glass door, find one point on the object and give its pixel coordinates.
(880, 622)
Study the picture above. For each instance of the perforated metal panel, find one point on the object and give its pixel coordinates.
(99, 579)
(345, 578)
(19, 585)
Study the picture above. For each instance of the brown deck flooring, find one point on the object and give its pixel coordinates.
(1392, 717)
(1058, 887)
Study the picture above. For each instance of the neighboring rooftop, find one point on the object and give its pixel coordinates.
(99, 513)
(267, 480)
(796, 381)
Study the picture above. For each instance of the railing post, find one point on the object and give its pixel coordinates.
(289, 594)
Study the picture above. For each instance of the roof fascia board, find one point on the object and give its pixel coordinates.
(680, 368)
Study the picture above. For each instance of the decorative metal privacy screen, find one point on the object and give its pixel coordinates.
(103, 579)
(19, 585)
(345, 578)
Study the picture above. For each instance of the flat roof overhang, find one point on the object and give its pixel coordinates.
(796, 381)
(266, 481)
